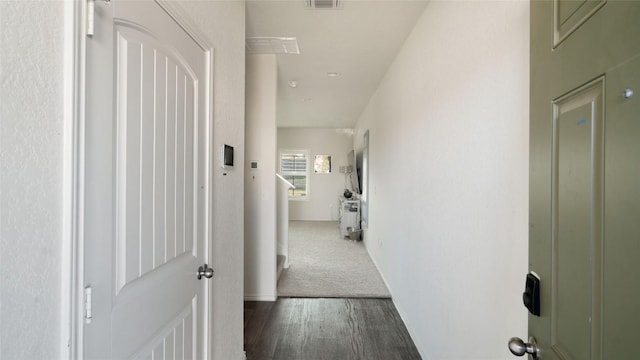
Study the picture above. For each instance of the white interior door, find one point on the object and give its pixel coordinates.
(585, 178)
(147, 185)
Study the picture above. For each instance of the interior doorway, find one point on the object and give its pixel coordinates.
(322, 263)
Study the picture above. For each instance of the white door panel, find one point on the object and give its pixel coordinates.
(155, 210)
(147, 182)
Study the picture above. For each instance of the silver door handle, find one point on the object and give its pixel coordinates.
(206, 271)
(519, 347)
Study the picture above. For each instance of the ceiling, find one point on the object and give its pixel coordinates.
(359, 40)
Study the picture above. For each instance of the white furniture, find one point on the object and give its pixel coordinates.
(349, 215)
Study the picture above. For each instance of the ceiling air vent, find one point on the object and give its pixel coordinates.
(324, 4)
(272, 45)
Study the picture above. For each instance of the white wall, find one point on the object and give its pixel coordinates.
(324, 189)
(260, 183)
(223, 23)
(449, 178)
(31, 178)
(32, 243)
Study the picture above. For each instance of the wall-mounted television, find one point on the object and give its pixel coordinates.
(353, 176)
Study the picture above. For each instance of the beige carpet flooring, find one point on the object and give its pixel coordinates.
(322, 264)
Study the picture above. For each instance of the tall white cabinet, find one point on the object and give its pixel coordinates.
(349, 215)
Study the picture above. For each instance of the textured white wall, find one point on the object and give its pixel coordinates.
(260, 183)
(449, 178)
(325, 189)
(31, 173)
(31, 177)
(223, 23)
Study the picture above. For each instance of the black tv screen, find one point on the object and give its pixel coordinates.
(354, 176)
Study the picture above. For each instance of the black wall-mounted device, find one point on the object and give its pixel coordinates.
(531, 295)
(227, 156)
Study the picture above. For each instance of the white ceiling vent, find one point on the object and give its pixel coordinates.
(272, 45)
(324, 4)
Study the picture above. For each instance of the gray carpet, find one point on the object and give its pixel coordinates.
(322, 264)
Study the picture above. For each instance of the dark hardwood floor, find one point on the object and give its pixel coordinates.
(331, 329)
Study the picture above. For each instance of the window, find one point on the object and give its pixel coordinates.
(294, 167)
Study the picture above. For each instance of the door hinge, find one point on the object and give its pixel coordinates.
(91, 16)
(88, 299)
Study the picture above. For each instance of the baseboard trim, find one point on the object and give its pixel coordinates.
(260, 298)
(384, 280)
(316, 220)
(403, 316)
(413, 336)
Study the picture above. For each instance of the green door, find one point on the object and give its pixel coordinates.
(584, 239)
